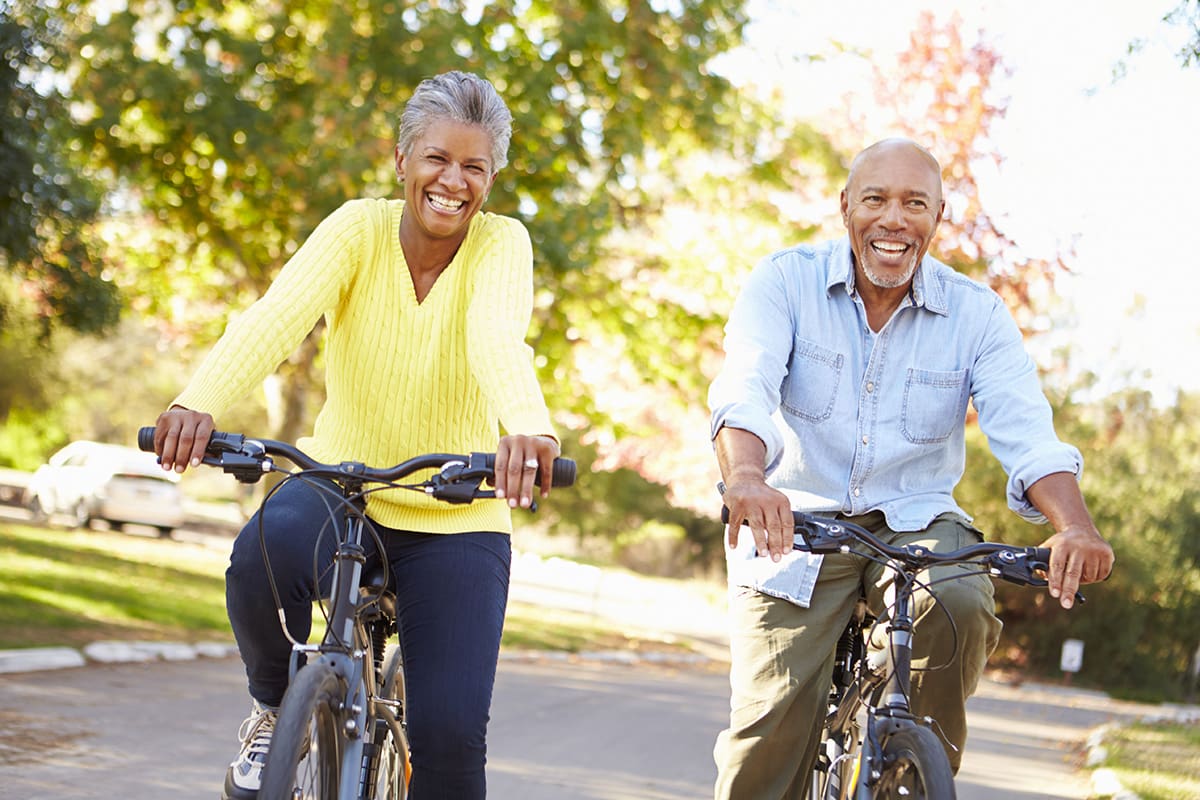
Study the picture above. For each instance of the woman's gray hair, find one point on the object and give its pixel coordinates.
(462, 97)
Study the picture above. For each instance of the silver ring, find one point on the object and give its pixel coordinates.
(531, 463)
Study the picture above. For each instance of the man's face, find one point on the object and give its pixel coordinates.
(891, 207)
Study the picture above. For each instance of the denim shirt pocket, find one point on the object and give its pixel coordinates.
(934, 405)
(811, 385)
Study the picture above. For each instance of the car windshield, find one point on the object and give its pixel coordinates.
(128, 463)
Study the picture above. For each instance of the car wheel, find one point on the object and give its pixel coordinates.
(36, 510)
(80, 516)
(164, 532)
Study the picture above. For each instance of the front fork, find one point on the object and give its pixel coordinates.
(345, 650)
(890, 708)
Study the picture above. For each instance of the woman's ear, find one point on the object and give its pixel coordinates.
(399, 157)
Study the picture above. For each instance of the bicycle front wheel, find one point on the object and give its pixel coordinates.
(392, 769)
(915, 767)
(305, 757)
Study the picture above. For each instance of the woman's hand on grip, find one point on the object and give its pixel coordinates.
(180, 437)
(518, 459)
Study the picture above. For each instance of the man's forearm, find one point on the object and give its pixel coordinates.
(741, 455)
(1058, 497)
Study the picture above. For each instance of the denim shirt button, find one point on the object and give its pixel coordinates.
(870, 387)
(857, 492)
(864, 439)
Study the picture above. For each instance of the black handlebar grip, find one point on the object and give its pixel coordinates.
(563, 470)
(146, 439)
(233, 441)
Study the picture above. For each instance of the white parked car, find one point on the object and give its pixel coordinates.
(88, 481)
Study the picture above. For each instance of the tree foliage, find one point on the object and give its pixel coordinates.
(238, 126)
(946, 92)
(1187, 14)
(648, 328)
(1141, 627)
(46, 205)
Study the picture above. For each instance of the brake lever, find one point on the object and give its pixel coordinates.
(458, 482)
(1022, 569)
(824, 536)
(246, 460)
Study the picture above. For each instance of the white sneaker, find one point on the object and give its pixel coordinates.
(245, 772)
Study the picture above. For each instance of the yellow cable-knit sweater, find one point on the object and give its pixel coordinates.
(402, 378)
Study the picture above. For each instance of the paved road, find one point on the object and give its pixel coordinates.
(560, 730)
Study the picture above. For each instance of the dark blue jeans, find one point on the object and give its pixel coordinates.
(451, 592)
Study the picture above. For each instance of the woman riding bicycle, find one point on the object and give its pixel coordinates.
(427, 301)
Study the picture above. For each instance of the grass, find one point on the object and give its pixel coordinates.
(72, 587)
(1156, 761)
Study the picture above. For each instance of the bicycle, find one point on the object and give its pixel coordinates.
(872, 746)
(341, 729)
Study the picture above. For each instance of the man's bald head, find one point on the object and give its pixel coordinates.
(886, 146)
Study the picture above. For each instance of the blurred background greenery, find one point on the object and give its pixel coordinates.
(160, 161)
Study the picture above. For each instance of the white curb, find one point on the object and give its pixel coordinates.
(39, 658)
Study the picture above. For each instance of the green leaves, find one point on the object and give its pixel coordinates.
(1143, 624)
(1187, 15)
(232, 129)
(47, 205)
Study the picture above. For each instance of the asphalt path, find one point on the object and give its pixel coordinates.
(592, 728)
(561, 729)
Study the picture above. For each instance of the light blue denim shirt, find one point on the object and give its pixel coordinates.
(856, 421)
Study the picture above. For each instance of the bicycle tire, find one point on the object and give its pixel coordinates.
(392, 768)
(915, 767)
(305, 756)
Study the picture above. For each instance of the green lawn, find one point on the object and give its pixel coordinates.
(71, 587)
(1156, 761)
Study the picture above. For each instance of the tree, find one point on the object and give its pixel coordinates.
(945, 91)
(1142, 625)
(649, 327)
(236, 127)
(46, 205)
(1187, 15)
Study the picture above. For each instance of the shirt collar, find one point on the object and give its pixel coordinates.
(927, 290)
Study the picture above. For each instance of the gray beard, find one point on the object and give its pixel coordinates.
(887, 281)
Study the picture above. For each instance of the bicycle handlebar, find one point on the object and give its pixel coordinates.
(248, 460)
(1025, 566)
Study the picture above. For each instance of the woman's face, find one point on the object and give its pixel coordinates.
(446, 176)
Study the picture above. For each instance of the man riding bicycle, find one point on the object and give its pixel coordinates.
(849, 367)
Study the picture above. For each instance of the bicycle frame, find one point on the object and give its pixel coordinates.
(351, 653)
(879, 683)
(886, 682)
(346, 644)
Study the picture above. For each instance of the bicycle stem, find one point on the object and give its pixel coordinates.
(898, 656)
